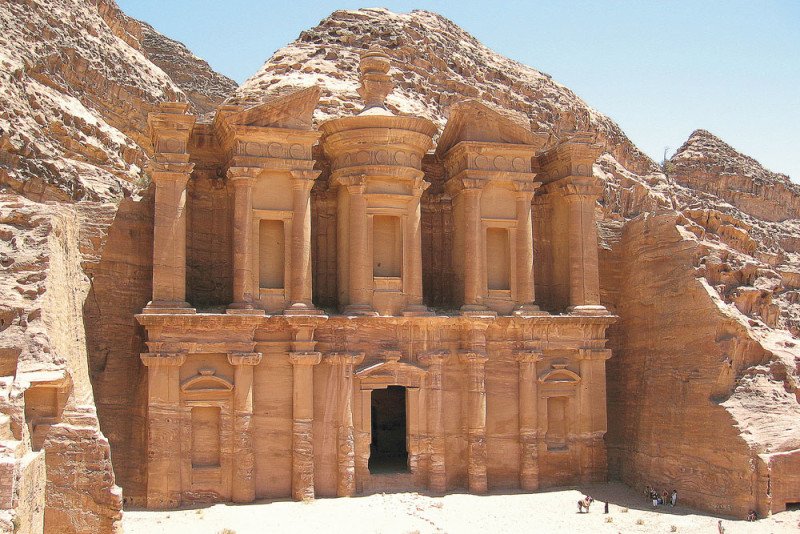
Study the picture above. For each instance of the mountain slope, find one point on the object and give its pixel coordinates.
(76, 84)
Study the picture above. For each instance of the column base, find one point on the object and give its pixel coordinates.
(168, 307)
(359, 309)
(243, 308)
(588, 309)
(476, 310)
(417, 310)
(529, 310)
(301, 308)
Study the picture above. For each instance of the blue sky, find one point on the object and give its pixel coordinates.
(660, 69)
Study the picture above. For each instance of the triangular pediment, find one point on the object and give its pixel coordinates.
(293, 111)
(473, 120)
(388, 366)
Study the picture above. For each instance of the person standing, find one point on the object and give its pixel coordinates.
(674, 497)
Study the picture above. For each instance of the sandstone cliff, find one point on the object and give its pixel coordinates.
(76, 84)
(77, 80)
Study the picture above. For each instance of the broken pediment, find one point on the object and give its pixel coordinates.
(292, 111)
(472, 120)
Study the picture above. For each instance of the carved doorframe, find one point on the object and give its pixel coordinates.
(380, 375)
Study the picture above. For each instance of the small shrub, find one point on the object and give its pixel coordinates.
(673, 528)
(609, 519)
(227, 531)
(624, 510)
(640, 521)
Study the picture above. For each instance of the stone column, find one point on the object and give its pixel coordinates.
(524, 254)
(164, 483)
(300, 289)
(169, 237)
(473, 279)
(413, 240)
(360, 260)
(242, 179)
(243, 487)
(593, 418)
(342, 364)
(302, 423)
(581, 194)
(476, 420)
(437, 476)
(528, 419)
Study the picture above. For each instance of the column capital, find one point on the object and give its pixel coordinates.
(471, 357)
(244, 358)
(580, 187)
(468, 182)
(343, 358)
(302, 178)
(528, 355)
(354, 182)
(434, 357)
(594, 354)
(305, 358)
(169, 170)
(163, 359)
(525, 188)
(243, 174)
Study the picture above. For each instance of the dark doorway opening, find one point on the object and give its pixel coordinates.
(388, 453)
(790, 506)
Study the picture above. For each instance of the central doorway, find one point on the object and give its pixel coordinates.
(388, 452)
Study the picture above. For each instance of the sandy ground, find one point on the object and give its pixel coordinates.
(551, 511)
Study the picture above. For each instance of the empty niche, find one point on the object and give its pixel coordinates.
(498, 262)
(271, 251)
(205, 436)
(556, 423)
(41, 411)
(387, 246)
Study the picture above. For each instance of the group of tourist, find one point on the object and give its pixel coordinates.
(661, 499)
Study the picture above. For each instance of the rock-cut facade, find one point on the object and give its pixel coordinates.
(366, 309)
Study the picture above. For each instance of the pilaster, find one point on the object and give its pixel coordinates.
(243, 488)
(437, 475)
(163, 429)
(342, 364)
(528, 418)
(303, 358)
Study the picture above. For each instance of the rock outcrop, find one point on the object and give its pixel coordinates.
(76, 84)
(49, 400)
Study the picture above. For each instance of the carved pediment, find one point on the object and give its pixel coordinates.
(559, 375)
(292, 111)
(390, 372)
(472, 120)
(206, 381)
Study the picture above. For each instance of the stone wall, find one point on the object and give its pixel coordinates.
(117, 251)
(51, 402)
(679, 355)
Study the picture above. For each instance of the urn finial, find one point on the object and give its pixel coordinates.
(376, 83)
